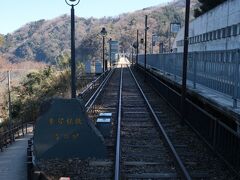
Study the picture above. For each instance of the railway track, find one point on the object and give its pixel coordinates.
(105, 100)
(144, 152)
(199, 160)
(149, 129)
(148, 139)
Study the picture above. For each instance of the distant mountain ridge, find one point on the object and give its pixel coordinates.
(46, 40)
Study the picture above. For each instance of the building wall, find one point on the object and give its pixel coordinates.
(225, 17)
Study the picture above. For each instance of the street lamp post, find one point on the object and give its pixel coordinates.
(185, 57)
(110, 49)
(73, 3)
(104, 33)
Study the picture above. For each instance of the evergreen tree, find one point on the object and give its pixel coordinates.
(206, 5)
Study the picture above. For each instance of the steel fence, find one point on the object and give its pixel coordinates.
(8, 137)
(218, 70)
(222, 139)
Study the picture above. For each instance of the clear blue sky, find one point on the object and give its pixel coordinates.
(15, 13)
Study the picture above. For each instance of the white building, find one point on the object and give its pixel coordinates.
(218, 29)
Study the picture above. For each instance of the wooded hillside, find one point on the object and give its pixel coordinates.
(46, 40)
(206, 5)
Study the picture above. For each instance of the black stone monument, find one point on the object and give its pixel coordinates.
(64, 131)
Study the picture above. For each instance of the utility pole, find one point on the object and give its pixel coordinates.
(169, 39)
(137, 48)
(185, 58)
(104, 62)
(132, 56)
(145, 49)
(10, 105)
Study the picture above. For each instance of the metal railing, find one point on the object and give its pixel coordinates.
(222, 139)
(32, 174)
(218, 70)
(8, 137)
(90, 103)
(91, 87)
(219, 136)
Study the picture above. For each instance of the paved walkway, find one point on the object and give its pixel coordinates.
(13, 160)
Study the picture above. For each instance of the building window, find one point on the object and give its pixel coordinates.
(200, 38)
(177, 43)
(210, 36)
(228, 31)
(191, 40)
(214, 35)
(219, 34)
(204, 37)
(207, 36)
(180, 43)
(235, 28)
(223, 32)
(239, 28)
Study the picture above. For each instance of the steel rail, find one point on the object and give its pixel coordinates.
(90, 99)
(93, 98)
(118, 143)
(211, 146)
(91, 84)
(173, 150)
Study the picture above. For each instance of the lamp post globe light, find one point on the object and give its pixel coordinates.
(104, 33)
(73, 3)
